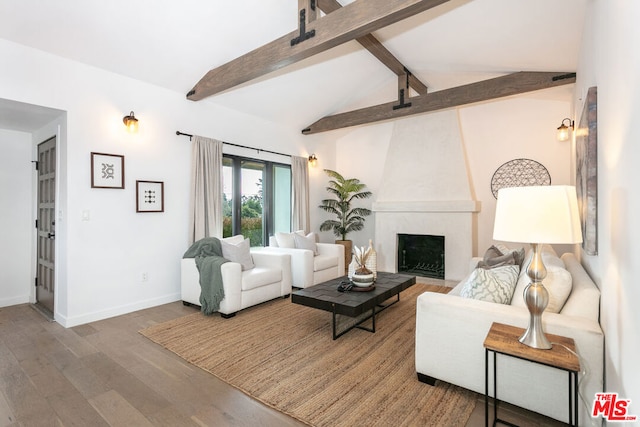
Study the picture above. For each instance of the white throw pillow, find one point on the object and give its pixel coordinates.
(234, 240)
(285, 240)
(492, 285)
(313, 236)
(558, 284)
(239, 253)
(306, 242)
(549, 257)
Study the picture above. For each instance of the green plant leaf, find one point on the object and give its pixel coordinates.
(344, 191)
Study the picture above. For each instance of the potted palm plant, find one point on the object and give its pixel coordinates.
(348, 218)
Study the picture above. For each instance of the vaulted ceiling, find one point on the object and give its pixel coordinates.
(173, 44)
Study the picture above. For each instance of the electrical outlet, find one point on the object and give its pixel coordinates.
(144, 276)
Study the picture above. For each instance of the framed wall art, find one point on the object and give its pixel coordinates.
(587, 171)
(149, 196)
(107, 170)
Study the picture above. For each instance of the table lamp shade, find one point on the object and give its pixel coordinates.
(537, 214)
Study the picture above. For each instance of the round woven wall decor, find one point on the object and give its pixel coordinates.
(519, 173)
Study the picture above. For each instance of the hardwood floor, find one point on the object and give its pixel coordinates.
(106, 374)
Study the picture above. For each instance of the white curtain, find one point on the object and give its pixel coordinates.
(206, 189)
(300, 177)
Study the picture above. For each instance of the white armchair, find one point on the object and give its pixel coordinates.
(270, 278)
(309, 268)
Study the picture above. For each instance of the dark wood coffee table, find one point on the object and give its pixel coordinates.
(325, 296)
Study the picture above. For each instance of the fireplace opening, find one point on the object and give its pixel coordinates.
(422, 255)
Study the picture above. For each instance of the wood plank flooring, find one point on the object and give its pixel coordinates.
(106, 374)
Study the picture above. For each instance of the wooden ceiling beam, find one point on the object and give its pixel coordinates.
(511, 84)
(347, 23)
(311, 11)
(377, 49)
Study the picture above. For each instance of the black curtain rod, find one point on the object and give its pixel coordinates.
(238, 145)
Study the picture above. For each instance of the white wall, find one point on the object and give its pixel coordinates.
(514, 128)
(100, 261)
(361, 154)
(16, 171)
(492, 134)
(610, 60)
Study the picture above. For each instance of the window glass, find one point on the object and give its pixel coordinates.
(251, 220)
(256, 198)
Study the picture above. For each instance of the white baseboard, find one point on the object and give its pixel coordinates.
(69, 322)
(20, 299)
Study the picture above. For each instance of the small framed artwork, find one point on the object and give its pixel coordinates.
(107, 170)
(149, 196)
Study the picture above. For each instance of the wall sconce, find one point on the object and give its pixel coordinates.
(131, 123)
(313, 160)
(564, 130)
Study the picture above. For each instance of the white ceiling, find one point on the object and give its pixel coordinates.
(176, 43)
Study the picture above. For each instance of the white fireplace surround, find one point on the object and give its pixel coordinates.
(426, 190)
(454, 220)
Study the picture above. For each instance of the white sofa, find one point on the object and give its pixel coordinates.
(307, 268)
(450, 331)
(269, 279)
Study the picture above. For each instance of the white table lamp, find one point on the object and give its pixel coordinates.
(537, 215)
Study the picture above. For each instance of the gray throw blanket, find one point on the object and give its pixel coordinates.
(208, 256)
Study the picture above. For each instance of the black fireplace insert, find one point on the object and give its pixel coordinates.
(422, 255)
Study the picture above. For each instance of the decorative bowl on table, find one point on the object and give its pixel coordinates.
(362, 276)
(362, 280)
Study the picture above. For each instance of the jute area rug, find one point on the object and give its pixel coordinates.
(283, 355)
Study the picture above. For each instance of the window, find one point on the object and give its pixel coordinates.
(256, 198)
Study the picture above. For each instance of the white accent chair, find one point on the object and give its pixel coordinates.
(270, 278)
(307, 268)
